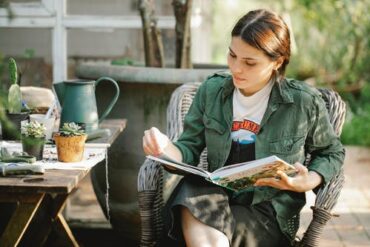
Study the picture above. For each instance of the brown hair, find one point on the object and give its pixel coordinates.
(267, 32)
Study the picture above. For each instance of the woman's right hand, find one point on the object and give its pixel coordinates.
(155, 142)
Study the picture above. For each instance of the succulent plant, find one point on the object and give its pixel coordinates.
(14, 96)
(71, 129)
(33, 129)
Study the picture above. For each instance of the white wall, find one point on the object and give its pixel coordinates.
(108, 43)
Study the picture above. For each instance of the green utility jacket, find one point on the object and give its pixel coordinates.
(295, 123)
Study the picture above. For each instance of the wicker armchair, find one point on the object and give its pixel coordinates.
(155, 184)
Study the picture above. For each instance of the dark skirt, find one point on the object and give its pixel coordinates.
(243, 224)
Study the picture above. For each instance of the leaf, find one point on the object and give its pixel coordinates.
(14, 99)
(13, 74)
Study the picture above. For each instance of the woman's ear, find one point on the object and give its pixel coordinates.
(278, 63)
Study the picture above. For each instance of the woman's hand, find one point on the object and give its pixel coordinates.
(303, 181)
(155, 142)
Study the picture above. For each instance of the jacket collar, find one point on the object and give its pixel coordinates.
(280, 92)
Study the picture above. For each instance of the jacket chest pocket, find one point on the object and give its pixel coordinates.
(213, 126)
(215, 138)
(290, 149)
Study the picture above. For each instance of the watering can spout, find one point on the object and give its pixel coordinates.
(59, 88)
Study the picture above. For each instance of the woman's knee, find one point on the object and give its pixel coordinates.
(200, 234)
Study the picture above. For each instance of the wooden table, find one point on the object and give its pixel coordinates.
(40, 200)
(116, 126)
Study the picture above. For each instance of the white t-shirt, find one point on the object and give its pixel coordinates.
(248, 112)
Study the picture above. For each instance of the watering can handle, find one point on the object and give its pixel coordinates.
(114, 100)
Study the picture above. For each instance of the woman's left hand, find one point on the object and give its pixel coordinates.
(303, 181)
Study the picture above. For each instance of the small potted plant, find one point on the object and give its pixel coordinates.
(70, 142)
(33, 139)
(15, 113)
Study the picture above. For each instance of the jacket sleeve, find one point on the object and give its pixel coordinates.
(192, 141)
(327, 152)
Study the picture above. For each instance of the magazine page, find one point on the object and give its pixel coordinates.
(179, 167)
(242, 176)
(240, 167)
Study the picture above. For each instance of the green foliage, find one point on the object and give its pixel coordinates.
(123, 61)
(2, 89)
(356, 130)
(14, 95)
(29, 53)
(2, 95)
(1, 66)
(71, 129)
(333, 41)
(33, 129)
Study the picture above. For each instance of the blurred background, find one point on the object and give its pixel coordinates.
(330, 42)
(54, 40)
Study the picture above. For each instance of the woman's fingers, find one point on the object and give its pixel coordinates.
(284, 178)
(297, 183)
(147, 144)
(272, 182)
(154, 142)
(154, 135)
(146, 147)
(300, 168)
(283, 181)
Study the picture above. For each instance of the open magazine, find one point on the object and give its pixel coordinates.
(236, 177)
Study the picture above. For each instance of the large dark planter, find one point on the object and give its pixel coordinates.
(33, 146)
(11, 127)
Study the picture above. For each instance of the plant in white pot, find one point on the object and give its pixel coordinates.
(70, 143)
(33, 139)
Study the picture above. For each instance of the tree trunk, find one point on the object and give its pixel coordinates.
(182, 10)
(153, 45)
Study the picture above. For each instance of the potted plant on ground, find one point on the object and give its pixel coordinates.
(33, 139)
(11, 125)
(70, 142)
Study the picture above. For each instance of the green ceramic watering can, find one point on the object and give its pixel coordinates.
(78, 102)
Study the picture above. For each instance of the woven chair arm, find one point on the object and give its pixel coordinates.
(326, 199)
(149, 174)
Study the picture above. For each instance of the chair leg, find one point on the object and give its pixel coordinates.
(312, 236)
(147, 211)
(150, 188)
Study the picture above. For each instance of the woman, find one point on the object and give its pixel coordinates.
(250, 113)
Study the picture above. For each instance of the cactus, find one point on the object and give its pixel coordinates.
(14, 96)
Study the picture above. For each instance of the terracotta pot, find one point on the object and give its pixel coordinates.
(70, 148)
(33, 146)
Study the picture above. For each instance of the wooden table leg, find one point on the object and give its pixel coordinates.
(62, 230)
(20, 220)
(47, 220)
(60, 226)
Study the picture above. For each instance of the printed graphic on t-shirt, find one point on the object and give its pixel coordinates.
(244, 131)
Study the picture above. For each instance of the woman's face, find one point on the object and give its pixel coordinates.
(251, 68)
